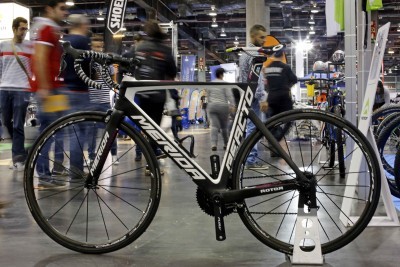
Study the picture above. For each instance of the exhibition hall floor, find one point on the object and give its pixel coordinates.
(181, 234)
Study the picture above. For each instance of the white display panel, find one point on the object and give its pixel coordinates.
(8, 12)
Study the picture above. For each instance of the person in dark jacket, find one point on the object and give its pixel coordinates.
(156, 63)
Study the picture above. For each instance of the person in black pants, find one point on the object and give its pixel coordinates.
(280, 79)
(156, 63)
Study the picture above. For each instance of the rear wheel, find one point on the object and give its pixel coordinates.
(97, 218)
(272, 218)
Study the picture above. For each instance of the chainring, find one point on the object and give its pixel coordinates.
(206, 204)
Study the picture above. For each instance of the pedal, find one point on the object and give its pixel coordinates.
(215, 166)
(191, 147)
(219, 220)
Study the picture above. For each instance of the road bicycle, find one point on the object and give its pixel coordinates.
(110, 206)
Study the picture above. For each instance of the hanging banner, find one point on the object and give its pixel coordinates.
(187, 70)
(114, 23)
(193, 105)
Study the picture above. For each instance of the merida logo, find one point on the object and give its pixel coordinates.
(100, 152)
(116, 15)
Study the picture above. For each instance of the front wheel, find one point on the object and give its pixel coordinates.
(91, 218)
(272, 218)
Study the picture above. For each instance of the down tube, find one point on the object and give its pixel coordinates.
(169, 146)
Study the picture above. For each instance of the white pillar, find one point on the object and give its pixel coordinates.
(299, 53)
(255, 14)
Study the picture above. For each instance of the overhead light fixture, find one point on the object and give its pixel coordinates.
(398, 29)
(213, 12)
(391, 51)
(390, 71)
(286, 1)
(70, 3)
(311, 21)
(314, 9)
(100, 18)
(223, 34)
(236, 42)
(214, 23)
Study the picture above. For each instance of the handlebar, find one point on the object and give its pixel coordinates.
(102, 58)
(268, 50)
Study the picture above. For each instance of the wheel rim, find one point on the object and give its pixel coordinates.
(272, 218)
(104, 217)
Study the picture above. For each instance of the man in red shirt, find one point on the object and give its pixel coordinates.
(46, 34)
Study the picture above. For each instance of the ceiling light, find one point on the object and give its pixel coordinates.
(70, 3)
(286, 1)
(314, 9)
(214, 24)
(100, 18)
(398, 29)
(311, 21)
(311, 32)
(236, 42)
(223, 34)
(213, 12)
(390, 71)
(391, 51)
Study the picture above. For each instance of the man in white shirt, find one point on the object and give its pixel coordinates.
(15, 62)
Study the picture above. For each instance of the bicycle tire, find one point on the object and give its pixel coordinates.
(97, 219)
(384, 111)
(385, 122)
(397, 168)
(388, 143)
(269, 217)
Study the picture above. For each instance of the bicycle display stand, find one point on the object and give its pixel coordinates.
(391, 218)
(307, 230)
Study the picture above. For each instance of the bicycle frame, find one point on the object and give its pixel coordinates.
(124, 106)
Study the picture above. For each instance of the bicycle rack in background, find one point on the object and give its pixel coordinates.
(364, 126)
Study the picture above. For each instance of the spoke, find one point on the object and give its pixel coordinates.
(324, 230)
(343, 185)
(284, 216)
(341, 196)
(311, 149)
(109, 166)
(124, 187)
(267, 176)
(102, 215)
(301, 153)
(59, 145)
(76, 214)
(335, 173)
(59, 192)
(112, 212)
(65, 204)
(291, 234)
(275, 167)
(87, 216)
(337, 206)
(337, 226)
(334, 166)
(268, 212)
(316, 156)
(69, 170)
(133, 206)
(117, 174)
(252, 206)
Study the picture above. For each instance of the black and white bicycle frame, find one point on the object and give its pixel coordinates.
(124, 106)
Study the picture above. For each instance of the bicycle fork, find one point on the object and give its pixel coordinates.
(113, 118)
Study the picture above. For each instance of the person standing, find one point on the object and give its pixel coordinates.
(280, 79)
(220, 103)
(15, 73)
(204, 103)
(77, 90)
(100, 101)
(257, 35)
(156, 63)
(382, 96)
(46, 33)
